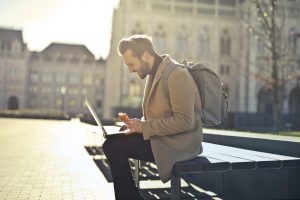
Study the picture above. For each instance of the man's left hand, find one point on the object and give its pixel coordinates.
(135, 125)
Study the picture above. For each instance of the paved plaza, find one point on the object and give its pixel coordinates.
(49, 159)
(46, 159)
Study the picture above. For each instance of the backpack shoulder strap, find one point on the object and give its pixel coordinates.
(168, 70)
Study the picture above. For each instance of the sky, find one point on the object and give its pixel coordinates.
(85, 22)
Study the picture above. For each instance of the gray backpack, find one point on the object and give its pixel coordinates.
(213, 97)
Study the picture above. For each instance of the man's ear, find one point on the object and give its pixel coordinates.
(145, 56)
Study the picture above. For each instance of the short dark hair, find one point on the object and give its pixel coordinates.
(138, 44)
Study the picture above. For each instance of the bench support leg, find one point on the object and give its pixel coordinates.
(136, 173)
(175, 187)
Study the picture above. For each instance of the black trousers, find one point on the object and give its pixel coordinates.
(117, 150)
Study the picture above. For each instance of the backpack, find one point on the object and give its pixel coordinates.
(213, 97)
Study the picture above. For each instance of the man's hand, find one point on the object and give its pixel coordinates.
(135, 125)
(132, 126)
(123, 128)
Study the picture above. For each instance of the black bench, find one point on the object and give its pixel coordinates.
(220, 158)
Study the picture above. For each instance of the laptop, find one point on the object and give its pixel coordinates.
(106, 133)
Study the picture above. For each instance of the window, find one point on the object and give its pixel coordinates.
(97, 80)
(185, 1)
(297, 44)
(184, 10)
(73, 91)
(33, 103)
(45, 103)
(47, 77)
(87, 79)
(265, 101)
(60, 78)
(160, 39)
(203, 43)
(227, 2)
(61, 58)
(34, 77)
(16, 46)
(207, 1)
(14, 73)
(225, 46)
(72, 103)
(74, 79)
(294, 99)
(59, 102)
(224, 70)
(139, 4)
(182, 42)
(99, 104)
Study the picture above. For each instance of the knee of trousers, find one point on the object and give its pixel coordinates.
(108, 147)
(105, 146)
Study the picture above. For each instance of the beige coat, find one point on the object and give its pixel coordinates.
(173, 124)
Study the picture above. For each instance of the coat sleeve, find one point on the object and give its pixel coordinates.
(182, 99)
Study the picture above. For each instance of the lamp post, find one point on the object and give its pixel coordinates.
(63, 94)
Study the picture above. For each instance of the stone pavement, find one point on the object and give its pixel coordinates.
(46, 159)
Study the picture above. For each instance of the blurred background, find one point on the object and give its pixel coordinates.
(53, 54)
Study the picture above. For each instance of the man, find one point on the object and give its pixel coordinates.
(171, 128)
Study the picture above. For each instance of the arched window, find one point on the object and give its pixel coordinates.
(225, 46)
(159, 40)
(13, 103)
(182, 43)
(203, 43)
(265, 104)
(294, 99)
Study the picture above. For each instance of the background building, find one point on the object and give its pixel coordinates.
(13, 69)
(56, 79)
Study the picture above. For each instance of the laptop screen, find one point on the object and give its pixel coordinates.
(94, 114)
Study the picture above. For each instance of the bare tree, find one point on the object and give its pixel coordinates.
(269, 30)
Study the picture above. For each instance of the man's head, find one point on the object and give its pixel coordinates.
(138, 54)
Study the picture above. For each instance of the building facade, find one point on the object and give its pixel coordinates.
(13, 69)
(56, 79)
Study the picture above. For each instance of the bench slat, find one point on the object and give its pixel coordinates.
(264, 159)
(201, 163)
(261, 162)
(236, 163)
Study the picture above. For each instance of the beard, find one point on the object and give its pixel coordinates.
(143, 72)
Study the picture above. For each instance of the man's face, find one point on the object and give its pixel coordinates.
(135, 65)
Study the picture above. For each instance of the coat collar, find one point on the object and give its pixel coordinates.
(152, 81)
